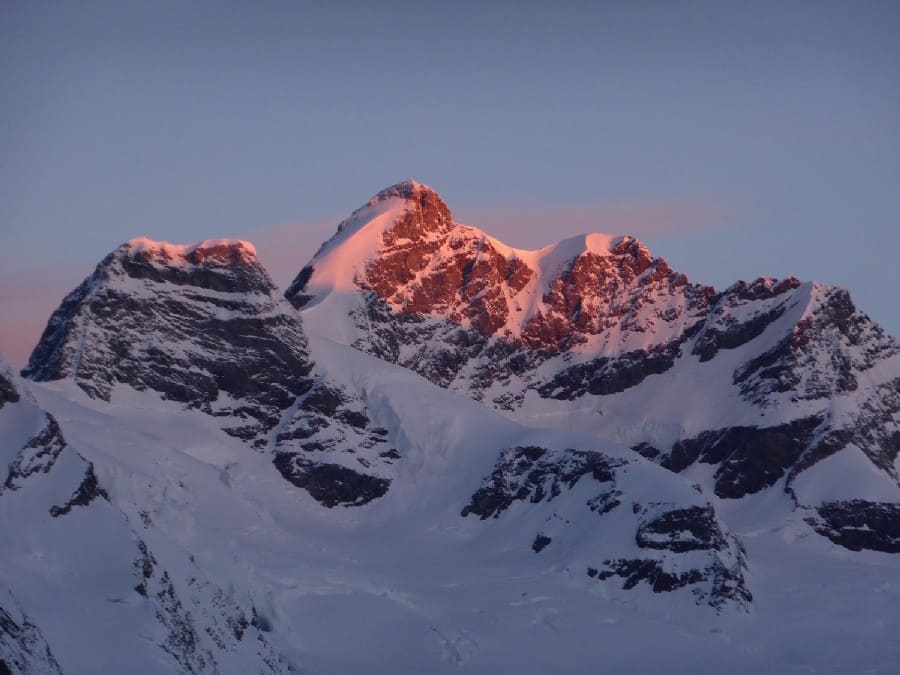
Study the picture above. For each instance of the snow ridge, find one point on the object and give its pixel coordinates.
(594, 333)
(188, 252)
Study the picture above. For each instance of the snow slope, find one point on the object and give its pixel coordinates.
(90, 584)
(759, 382)
(406, 584)
(202, 479)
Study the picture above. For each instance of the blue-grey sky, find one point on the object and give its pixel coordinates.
(737, 139)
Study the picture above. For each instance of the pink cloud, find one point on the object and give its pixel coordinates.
(533, 227)
(28, 297)
(285, 248)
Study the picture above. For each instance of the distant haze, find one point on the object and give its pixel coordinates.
(737, 140)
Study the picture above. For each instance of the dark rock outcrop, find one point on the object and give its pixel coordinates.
(88, 490)
(8, 393)
(202, 325)
(859, 524)
(652, 572)
(610, 375)
(540, 542)
(325, 423)
(749, 459)
(294, 294)
(38, 455)
(331, 484)
(717, 578)
(722, 330)
(200, 620)
(681, 530)
(535, 474)
(23, 648)
(679, 545)
(821, 356)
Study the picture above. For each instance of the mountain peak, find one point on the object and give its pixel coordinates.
(221, 251)
(404, 246)
(408, 216)
(424, 212)
(600, 244)
(228, 265)
(199, 323)
(405, 189)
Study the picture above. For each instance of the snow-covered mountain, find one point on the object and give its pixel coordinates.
(203, 476)
(205, 326)
(88, 583)
(743, 389)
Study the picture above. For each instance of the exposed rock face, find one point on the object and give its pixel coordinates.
(823, 356)
(596, 322)
(88, 490)
(860, 524)
(23, 648)
(8, 393)
(748, 459)
(675, 545)
(681, 530)
(325, 431)
(685, 531)
(724, 330)
(331, 484)
(203, 325)
(33, 449)
(535, 474)
(540, 543)
(197, 643)
(610, 375)
(200, 324)
(37, 455)
(454, 304)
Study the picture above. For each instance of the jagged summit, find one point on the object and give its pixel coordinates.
(422, 206)
(403, 253)
(428, 202)
(403, 249)
(203, 326)
(201, 323)
(408, 215)
(228, 265)
(596, 332)
(405, 189)
(404, 246)
(210, 251)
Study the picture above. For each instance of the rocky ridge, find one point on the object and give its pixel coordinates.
(762, 380)
(770, 385)
(678, 545)
(201, 327)
(204, 326)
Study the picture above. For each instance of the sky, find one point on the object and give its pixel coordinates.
(736, 140)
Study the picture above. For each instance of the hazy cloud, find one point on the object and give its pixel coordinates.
(533, 227)
(28, 295)
(286, 247)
